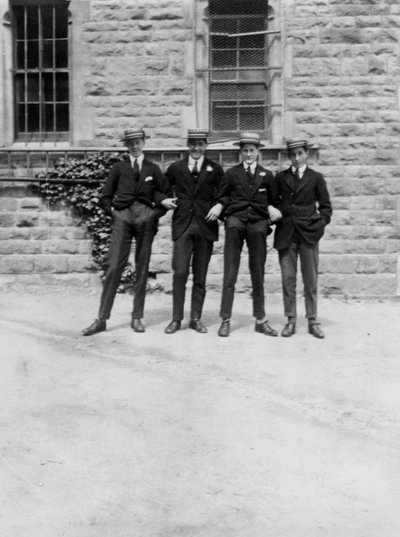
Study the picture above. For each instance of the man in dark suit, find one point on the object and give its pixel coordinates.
(302, 197)
(135, 194)
(244, 197)
(194, 182)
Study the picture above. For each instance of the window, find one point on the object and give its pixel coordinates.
(41, 73)
(240, 77)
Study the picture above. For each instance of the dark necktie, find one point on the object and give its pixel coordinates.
(251, 176)
(136, 168)
(195, 171)
(297, 176)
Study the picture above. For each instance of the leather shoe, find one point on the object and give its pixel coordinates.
(137, 326)
(197, 325)
(173, 327)
(289, 329)
(315, 330)
(264, 328)
(99, 325)
(224, 329)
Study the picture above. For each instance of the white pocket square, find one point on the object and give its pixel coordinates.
(149, 178)
(262, 189)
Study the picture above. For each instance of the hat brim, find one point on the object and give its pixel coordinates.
(258, 144)
(304, 146)
(126, 138)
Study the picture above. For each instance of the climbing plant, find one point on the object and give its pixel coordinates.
(77, 184)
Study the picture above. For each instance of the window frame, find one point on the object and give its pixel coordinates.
(52, 74)
(202, 73)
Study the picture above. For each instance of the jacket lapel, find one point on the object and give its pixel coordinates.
(243, 179)
(304, 180)
(187, 176)
(289, 179)
(202, 174)
(144, 172)
(258, 179)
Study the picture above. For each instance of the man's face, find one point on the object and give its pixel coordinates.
(298, 156)
(249, 153)
(135, 146)
(197, 148)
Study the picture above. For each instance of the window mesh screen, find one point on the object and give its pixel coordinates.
(238, 66)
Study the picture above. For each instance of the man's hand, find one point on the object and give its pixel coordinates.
(169, 203)
(274, 213)
(214, 212)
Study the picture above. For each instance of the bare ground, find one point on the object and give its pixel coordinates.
(190, 435)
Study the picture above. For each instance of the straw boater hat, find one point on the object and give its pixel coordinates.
(133, 134)
(197, 134)
(293, 143)
(249, 138)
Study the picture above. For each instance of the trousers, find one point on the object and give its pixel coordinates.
(137, 222)
(255, 235)
(288, 259)
(191, 248)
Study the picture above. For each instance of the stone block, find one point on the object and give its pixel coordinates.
(38, 233)
(30, 203)
(160, 263)
(39, 282)
(392, 246)
(6, 247)
(370, 285)
(85, 247)
(219, 247)
(7, 219)
(341, 203)
(62, 246)
(80, 263)
(15, 264)
(362, 202)
(216, 265)
(337, 264)
(332, 284)
(50, 263)
(21, 246)
(14, 233)
(163, 246)
(367, 264)
(8, 204)
(27, 219)
(54, 218)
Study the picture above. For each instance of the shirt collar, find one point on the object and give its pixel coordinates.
(252, 166)
(301, 169)
(199, 163)
(139, 160)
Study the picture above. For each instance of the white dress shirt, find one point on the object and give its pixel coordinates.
(199, 163)
(139, 161)
(252, 167)
(301, 170)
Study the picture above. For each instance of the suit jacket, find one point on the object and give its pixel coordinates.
(305, 207)
(122, 188)
(237, 197)
(195, 198)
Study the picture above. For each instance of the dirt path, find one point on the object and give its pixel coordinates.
(149, 435)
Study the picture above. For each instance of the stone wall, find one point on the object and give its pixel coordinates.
(341, 78)
(340, 88)
(138, 73)
(341, 84)
(40, 244)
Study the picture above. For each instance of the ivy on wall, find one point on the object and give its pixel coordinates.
(78, 184)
